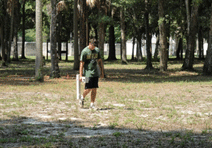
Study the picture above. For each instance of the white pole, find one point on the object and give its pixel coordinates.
(78, 86)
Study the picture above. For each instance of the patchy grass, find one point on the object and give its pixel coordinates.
(169, 109)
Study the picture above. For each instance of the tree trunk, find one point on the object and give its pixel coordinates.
(59, 18)
(11, 31)
(200, 41)
(15, 36)
(139, 44)
(39, 56)
(2, 44)
(15, 45)
(133, 49)
(163, 39)
(179, 48)
(189, 57)
(2, 33)
(156, 48)
(6, 29)
(123, 37)
(76, 50)
(207, 69)
(148, 37)
(112, 48)
(101, 32)
(87, 30)
(55, 72)
(23, 31)
(82, 11)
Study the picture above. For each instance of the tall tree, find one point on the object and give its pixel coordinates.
(207, 69)
(135, 23)
(192, 31)
(123, 36)
(6, 29)
(112, 48)
(163, 39)
(82, 14)
(15, 35)
(2, 18)
(23, 30)
(39, 43)
(76, 51)
(148, 36)
(55, 72)
(11, 10)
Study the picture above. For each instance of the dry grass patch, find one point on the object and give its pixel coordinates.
(173, 106)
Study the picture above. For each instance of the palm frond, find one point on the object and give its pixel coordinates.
(61, 6)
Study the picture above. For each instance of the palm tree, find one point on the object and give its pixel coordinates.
(191, 31)
(123, 37)
(39, 56)
(11, 12)
(207, 69)
(15, 34)
(23, 30)
(76, 51)
(55, 72)
(163, 38)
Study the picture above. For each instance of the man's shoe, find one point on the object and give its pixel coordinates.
(81, 102)
(92, 106)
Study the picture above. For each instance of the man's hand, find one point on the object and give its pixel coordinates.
(80, 79)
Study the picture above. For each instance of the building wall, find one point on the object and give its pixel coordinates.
(30, 48)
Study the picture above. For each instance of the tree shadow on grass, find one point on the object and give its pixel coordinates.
(154, 76)
(31, 132)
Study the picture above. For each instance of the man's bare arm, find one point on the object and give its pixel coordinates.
(101, 68)
(81, 68)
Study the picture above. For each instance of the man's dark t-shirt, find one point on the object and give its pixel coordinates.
(90, 58)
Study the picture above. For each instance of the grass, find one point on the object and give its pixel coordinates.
(129, 98)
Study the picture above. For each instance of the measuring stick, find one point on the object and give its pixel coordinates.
(78, 85)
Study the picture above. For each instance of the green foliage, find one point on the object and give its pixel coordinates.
(30, 35)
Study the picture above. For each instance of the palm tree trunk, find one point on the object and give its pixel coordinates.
(59, 18)
(11, 31)
(82, 4)
(200, 41)
(156, 48)
(39, 56)
(123, 37)
(207, 69)
(76, 51)
(148, 38)
(163, 39)
(139, 51)
(189, 57)
(15, 37)
(112, 48)
(3, 44)
(23, 31)
(55, 72)
(133, 49)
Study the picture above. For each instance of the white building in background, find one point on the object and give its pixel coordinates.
(30, 48)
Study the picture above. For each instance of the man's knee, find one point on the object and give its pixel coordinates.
(94, 89)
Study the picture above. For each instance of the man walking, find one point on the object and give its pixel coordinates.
(89, 59)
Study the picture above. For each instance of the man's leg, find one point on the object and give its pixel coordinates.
(81, 101)
(93, 94)
(86, 91)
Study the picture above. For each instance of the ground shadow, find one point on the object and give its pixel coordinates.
(25, 69)
(30, 132)
(138, 76)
